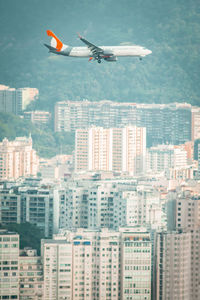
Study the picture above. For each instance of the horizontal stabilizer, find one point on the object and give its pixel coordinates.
(50, 47)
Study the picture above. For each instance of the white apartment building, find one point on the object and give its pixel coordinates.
(91, 204)
(133, 150)
(9, 262)
(17, 158)
(113, 149)
(86, 264)
(108, 265)
(144, 207)
(195, 123)
(180, 174)
(165, 123)
(68, 114)
(30, 275)
(164, 157)
(135, 264)
(57, 268)
(111, 204)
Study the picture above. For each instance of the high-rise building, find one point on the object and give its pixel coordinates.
(57, 266)
(173, 266)
(111, 204)
(143, 207)
(30, 275)
(10, 100)
(165, 123)
(187, 211)
(198, 161)
(195, 123)
(87, 203)
(113, 149)
(188, 219)
(91, 205)
(195, 264)
(21, 274)
(178, 251)
(16, 100)
(10, 206)
(36, 205)
(135, 264)
(164, 157)
(68, 114)
(17, 158)
(86, 264)
(9, 262)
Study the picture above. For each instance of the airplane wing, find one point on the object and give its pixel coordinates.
(96, 51)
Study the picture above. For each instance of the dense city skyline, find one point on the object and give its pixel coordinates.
(100, 162)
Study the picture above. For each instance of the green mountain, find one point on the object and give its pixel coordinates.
(170, 28)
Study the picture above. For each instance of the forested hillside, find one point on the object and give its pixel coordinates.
(46, 142)
(170, 28)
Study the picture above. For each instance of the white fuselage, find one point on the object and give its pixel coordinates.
(115, 50)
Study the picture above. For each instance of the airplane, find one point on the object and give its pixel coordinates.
(108, 53)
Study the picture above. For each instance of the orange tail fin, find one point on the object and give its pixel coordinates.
(59, 44)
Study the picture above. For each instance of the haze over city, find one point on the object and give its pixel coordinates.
(99, 156)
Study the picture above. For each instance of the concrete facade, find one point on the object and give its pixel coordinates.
(113, 149)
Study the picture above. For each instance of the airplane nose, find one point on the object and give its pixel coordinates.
(149, 51)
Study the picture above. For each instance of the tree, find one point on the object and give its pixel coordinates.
(30, 235)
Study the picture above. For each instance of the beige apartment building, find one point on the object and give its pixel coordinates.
(188, 211)
(21, 274)
(17, 158)
(111, 149)
(30, 275)
(188, 219)
(178, 256)
(9, 261)
(81, 265)
(173, 266)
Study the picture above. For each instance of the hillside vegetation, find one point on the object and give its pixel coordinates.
(46, 142)
(170, 28)
(30, 235)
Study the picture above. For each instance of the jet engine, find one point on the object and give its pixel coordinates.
(107, 53)
(111, 58)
